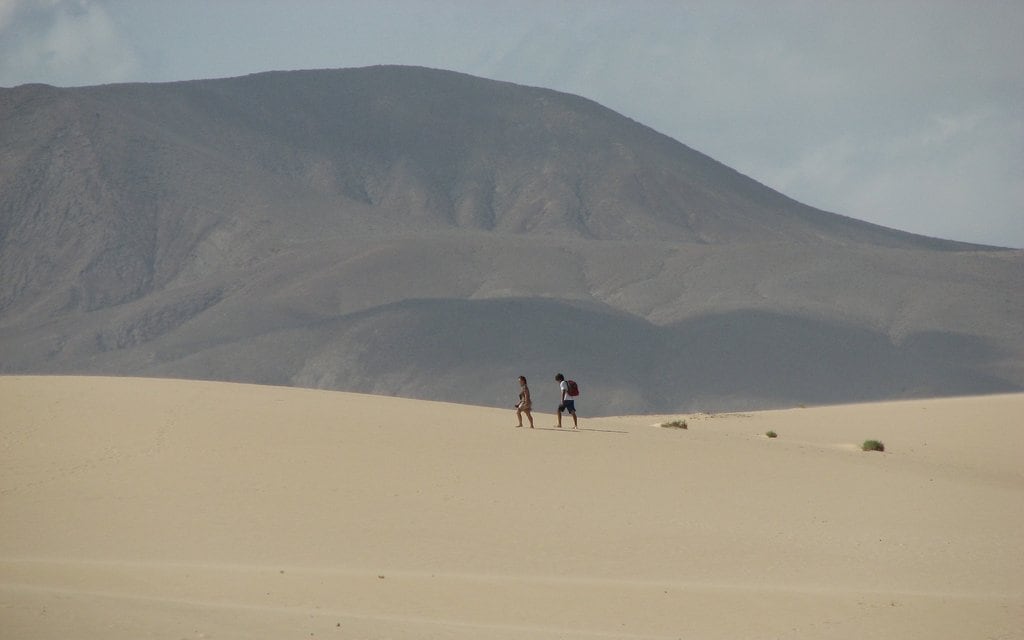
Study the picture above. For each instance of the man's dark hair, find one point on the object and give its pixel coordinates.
(559, 377)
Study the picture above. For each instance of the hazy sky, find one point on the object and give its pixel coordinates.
(905, 113)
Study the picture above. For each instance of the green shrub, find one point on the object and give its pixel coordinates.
(772, 434)
(675, 424)
(872, 445)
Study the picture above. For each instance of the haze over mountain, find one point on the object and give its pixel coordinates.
(423, 233)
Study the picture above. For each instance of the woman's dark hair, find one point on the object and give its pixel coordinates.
(523, 378)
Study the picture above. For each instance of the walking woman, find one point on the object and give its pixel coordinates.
(525, 405)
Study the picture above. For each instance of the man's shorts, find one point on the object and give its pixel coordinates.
(568, 405)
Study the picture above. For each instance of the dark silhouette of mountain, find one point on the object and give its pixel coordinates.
(415, 232)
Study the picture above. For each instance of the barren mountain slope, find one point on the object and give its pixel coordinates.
(431, 234)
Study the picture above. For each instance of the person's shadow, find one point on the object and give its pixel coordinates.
(570, 430)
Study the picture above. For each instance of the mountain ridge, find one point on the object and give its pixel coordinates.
(142, 225)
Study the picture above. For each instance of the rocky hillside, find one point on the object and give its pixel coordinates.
(417, 232)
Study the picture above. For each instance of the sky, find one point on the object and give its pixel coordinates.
(905, 113)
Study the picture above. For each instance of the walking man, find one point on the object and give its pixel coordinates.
(525, 404)
(566, 403)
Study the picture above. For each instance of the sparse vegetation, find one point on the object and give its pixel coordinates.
(675, 424)
(872, 445)
(772, 434)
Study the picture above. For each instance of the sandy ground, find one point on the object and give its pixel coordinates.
(134, 508)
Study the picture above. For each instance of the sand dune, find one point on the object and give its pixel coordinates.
(171, 509)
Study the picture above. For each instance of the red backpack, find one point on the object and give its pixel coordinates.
(574, 389)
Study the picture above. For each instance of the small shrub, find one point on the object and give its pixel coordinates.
(872, 445)
(772, 434)
(676, 424)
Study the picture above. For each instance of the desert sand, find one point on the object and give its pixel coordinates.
(140, 508)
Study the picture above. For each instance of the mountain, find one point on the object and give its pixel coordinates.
(415, 232)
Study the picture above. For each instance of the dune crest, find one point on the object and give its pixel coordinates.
(182, 509)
